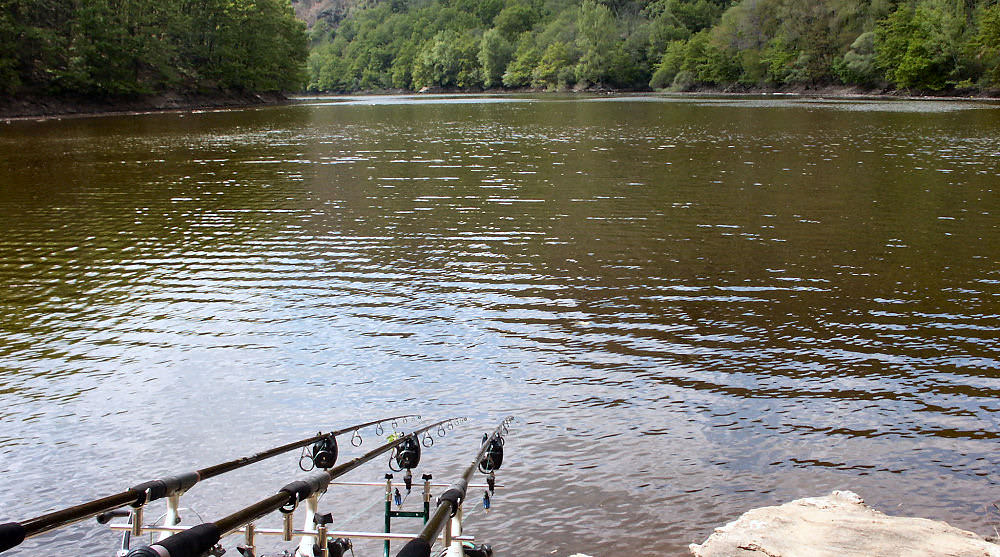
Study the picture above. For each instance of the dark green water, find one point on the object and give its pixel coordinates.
(695, 307)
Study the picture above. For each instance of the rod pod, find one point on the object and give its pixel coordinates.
(198, 540)
(13, 534)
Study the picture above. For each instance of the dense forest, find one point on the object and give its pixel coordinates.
(914, 45)
(121, 48)
(128, 48)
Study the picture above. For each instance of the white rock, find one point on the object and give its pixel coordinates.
(838, 525)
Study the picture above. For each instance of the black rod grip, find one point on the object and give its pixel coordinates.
(145, 551)
(11, 535)
(193, 542)
(304, 489)
(417, 547)
(164, 487)
(455, 496)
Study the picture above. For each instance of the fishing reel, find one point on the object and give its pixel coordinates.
(324, 452)
(494, 455)
(470, 549)
(339, 547)
(407, 455)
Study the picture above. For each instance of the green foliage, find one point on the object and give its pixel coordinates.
(515, 19)
(555, 68)
(519, 71)
(328, 72)
(115, 48)
(495, 53)
(679, 44)
(919, 45)
(696, 15)
(985, 44)
(697, 61)
(779, 59)
(597, 40)
(858, 66)
(448, 60)
(10, 80)
(692, 15)
(670, 65)
(663, 31)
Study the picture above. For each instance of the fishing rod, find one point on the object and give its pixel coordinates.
(13, 534)
(198, 540)
(488, 460)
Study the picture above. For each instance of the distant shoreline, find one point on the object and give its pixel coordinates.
(43, 108)
(848, 92)
(827, 92)
(37, 107)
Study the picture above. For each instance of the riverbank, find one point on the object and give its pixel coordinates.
(828, 93)
(825, 91)
(843, 91)
(41, 107)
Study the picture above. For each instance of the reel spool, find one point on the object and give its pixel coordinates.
(494, 455)
(407, 454)
(324, 453)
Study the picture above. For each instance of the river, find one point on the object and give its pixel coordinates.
(693, 306)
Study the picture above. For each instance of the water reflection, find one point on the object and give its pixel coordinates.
(696, 307)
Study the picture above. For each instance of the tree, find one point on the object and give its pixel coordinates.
(918, 46)
(858, 66)
(985, 45)
(597, 40)
(519, 71)
(448, 60)
(555, 68)
(695, 15)
(671, 64)
(664, 29)
(329, 71)
(515, 19)
(33, 41)
(402, 65)
(926, 44)
(495, 53)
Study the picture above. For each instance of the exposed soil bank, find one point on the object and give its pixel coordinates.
(34, 106)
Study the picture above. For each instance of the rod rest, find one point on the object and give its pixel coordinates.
(107, 517)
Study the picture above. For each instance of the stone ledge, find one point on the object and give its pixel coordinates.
(838, 525)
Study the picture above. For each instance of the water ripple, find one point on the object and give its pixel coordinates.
(695, 307)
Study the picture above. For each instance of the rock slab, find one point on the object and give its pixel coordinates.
(839, 525)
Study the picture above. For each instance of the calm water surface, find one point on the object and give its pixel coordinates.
(695, 307)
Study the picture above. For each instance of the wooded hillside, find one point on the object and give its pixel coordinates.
(127, 48)
(920, 45)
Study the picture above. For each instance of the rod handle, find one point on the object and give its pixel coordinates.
(417, 547)
(11, 535)
(193, 542)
